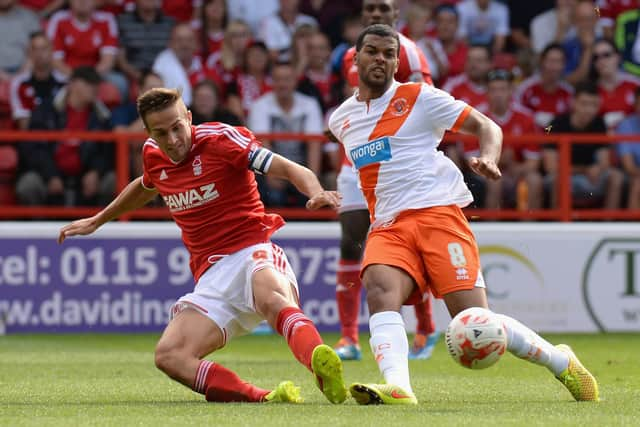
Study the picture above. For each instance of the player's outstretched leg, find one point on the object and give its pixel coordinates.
(306, 344)
(348, 291)
(526, 344)
(220, 384)
(426, 335)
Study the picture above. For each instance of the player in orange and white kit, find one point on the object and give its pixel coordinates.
(205, 175)
(420, 239)
(354, 218)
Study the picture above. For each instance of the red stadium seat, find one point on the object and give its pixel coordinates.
(8, 167)
(6, 122)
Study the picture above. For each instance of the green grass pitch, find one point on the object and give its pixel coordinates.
(110, 380)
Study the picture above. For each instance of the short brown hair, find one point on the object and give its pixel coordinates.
(156, 99)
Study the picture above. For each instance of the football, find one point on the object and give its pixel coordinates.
(476, 338)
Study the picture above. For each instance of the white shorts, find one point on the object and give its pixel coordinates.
(352, 197)
(224, 292)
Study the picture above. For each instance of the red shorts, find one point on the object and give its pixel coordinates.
(435, 246)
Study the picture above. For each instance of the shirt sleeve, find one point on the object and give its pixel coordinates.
(110, 43)
(147, 182)
(503, 22)
(237, 144)
(444, 111)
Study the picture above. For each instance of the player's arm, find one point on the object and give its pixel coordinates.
(490, 139)
(134, 196)
(304, 180)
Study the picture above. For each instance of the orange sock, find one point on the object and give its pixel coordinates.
(424, 317)
(348, 286)
(300, 332)
(220, 384)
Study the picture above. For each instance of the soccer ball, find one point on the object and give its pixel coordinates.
(476, 338)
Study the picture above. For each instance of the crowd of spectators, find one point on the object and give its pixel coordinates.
(276, 66)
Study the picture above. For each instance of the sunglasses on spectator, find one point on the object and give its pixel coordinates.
(597, 56)
(500, 74)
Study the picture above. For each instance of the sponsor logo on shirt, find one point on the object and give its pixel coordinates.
(374, 151)
(191, 198)
(163, 175)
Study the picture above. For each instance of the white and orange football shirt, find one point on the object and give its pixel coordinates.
(392, 142)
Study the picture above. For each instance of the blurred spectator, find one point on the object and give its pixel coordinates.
(206, 106)
(430, 46)
(616, 87)
(300, 47)
(116, 7)
(629, 153)
(83, 36)
(144, 33)
(553, 26)
(521, 13)
(447, 34)
(44, 8)
(285, 110)
(71, 171)
(594, 182)
(317, 76)
(16, 25)
(579, 49)
(125, 118)
(609, 12)
(276, 30)
(252, 83)
(211, 26)
(351, 28)
(330, 15)
(228, 62)
(546, 93)
(471, 87)
(519, 163)
(252, 12)
(627, 39)
(179, 66)
(421, 7)
(484, 22)
(37, 86)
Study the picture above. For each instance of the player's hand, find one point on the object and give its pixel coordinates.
(485, 167)
(323, 199)
(81, 227)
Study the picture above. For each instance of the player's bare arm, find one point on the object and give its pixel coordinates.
(134, 196)
(490, 138)
(305, 181)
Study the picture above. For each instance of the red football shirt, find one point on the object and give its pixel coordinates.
(460, 87)
(619, 101)
(212, 195)
(546, 105)
(610, 9)
(83, 43)
(517, 121)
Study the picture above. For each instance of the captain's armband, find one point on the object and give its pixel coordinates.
(260, 160)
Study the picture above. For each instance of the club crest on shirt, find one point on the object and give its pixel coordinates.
(399, 107)
(197, 166)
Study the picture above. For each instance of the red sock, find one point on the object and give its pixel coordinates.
(424, 317)
(219, 384)
(300, 332)
(348, 286)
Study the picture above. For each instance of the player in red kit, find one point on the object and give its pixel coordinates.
(205, 175)
(354, 217)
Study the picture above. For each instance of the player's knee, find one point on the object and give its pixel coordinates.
(167, 358)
